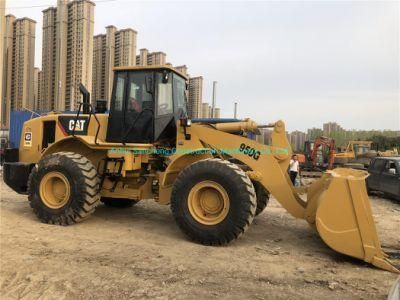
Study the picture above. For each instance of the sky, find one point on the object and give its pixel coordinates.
(305, 62)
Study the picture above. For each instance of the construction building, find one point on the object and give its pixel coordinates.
(18, 66)
(195, 97)
(36, 87)
(217, 113)
(205, 110)
(40, 86)
(297, 139)
(313, 133)
(67, 53)
(330, 127)
(113, 49)
(2, 28)
(146, 58)
(182, 69)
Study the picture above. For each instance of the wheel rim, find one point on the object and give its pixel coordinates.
(208, 202)
(54, 190)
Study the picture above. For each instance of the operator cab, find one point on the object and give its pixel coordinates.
(146, 103)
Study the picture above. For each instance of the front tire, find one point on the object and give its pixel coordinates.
(213, 201)
(63, 188)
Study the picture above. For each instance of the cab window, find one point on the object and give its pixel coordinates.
(179, 87)
(164, 94)
(119, 92)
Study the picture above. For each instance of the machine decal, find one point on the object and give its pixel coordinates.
(67, 123)
(255, 154)
(28, 139)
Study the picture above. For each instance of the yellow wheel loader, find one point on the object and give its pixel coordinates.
(213, 176)
(357, 155)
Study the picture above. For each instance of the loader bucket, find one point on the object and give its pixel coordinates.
(340, 205)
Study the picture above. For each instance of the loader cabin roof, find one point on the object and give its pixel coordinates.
(149, 68)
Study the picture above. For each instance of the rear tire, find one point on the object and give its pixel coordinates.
(118, 202)
(63, 188)
(213, 201)
(262, 197)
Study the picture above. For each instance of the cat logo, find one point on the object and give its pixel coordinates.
(80, 125)
(67, 124)
(28, 139)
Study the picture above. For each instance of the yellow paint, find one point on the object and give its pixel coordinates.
(54, 190)
(208, 202)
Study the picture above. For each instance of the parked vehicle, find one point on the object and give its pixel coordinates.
(385, 176)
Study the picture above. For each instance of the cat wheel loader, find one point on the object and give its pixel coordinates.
(212, 175)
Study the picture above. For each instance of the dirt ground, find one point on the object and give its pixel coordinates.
(140, 253)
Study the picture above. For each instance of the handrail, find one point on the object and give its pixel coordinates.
(91, 112)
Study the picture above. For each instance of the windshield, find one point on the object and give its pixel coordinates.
(138, 97)
(361, 149)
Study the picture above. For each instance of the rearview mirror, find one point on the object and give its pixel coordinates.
(165, 77)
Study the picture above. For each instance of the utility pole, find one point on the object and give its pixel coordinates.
(214, 99)
(235, 111)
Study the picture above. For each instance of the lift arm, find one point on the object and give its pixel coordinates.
(337, 204)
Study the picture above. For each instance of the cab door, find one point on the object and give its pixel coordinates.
(375, 171)
(139, 112)
(390, 178)
(132, 108)
(115, 125)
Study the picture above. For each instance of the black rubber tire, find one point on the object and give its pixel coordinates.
(84, 183)
(262, 197)
(118, 202)
(242, 201)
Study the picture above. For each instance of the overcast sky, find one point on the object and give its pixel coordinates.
(303, 62)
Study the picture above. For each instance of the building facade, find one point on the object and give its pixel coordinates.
(2, 28)
(330, 127)
(297, 139)
(217, 113)
(195, 97)
(48, 88)
(182, 69)
(40, 85)
(313, 133)
(113, 49)
(146, 58)
(18, 65)
(67, 53)
(205, 110)
(36, 72)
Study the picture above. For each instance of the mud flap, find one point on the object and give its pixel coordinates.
(339, 206)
